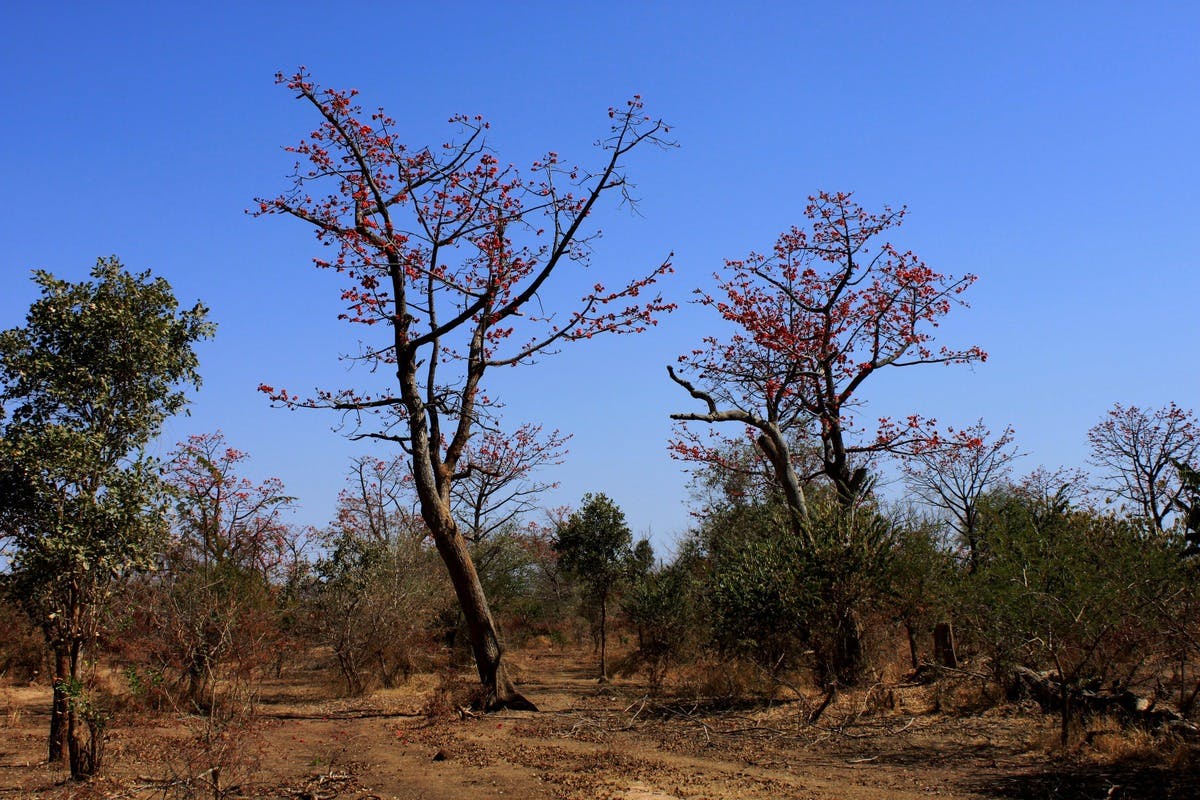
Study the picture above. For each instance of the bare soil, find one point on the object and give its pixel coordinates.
(591, 742)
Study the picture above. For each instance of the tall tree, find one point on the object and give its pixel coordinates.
(816, 317)
(450, 252)
(1136, 449)
(596, 545)
(84, 386)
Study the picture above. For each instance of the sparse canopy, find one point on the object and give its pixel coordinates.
(448, 251)
(1136, 450)
(813, 319)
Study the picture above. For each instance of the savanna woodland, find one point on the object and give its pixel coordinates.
(863, 607)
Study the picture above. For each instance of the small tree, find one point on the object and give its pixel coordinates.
(375, 600)
(954, 476)
(84, 386)
(450, 251)
(663, 603)
(595, 544)
(1136, 450)
(814, 319)
(218, 587)
(499, 484)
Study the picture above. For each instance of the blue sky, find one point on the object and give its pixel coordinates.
(1048, 148)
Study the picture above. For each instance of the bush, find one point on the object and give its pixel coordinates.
(773, 598)
(22, 648)
(1069, 593)
(663, 606)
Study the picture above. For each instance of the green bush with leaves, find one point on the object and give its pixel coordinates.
(775, 597)
(665, 607)
(1068, 593)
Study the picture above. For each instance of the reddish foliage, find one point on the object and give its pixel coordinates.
(441, 240)
(222, 517)
(823, 311)
(452, 250)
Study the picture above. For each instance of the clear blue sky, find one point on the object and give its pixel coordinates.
(1050, 148)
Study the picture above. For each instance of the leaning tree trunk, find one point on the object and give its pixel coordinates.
(498, 689)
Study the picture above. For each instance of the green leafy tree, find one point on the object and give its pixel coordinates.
(84, 386)
(1188, 504)
(1068, 593)
(775, 597)
(596, 545)
(663, 604)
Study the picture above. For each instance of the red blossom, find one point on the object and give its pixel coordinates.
(828, 306)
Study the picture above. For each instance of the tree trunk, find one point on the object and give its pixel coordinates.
(850, 660)
(58, 707)
(914, 655)
(604, 638)
(83, 753)
(944, 652)
(498, 690)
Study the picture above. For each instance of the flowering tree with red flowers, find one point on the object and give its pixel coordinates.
(814, 319)
(448, 251)
(217, 612)
(222, 517)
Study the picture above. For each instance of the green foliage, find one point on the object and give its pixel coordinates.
(753, 589)
(595, 543)
(664, 607)
(84, 386)
(774, 595)
(920, 578)
(596, 546)
(1188, 503)
(1067, 590)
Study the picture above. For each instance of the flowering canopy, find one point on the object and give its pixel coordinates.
(823, 311)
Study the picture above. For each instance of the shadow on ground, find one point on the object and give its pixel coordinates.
(1075, 783)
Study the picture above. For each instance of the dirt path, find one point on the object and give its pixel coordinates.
(589, 742)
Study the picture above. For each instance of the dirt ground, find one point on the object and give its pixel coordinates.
(589, 742)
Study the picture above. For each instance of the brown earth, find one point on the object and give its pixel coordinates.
(590, 742)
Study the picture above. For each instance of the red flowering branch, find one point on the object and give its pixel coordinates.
(446, 251)
(828, 307)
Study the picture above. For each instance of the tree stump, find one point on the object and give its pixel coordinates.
(943, 645)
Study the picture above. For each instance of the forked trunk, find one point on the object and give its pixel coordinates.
(498, 690)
